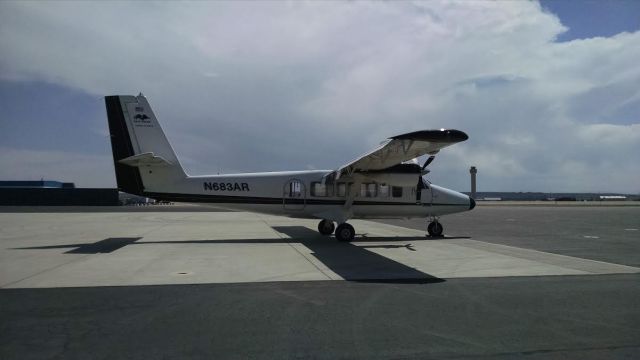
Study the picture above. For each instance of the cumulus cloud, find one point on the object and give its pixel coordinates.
(286, 85)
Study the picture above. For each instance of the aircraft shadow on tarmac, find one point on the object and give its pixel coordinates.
(356, 263)
(350, 261)
(99, 247)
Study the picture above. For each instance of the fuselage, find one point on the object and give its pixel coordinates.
(306, 194)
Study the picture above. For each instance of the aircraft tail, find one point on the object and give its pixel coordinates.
(143, 158)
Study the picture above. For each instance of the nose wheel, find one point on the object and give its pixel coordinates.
(435, 228)
(326, 227)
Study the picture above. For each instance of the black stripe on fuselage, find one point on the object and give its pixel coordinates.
(223, 199)
(127, 177)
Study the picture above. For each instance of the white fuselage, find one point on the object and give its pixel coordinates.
(303, 194)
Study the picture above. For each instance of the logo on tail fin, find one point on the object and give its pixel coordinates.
(142, 120)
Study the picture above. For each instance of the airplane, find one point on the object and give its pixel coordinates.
(382, 183)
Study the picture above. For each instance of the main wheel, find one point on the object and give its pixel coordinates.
(345, 232)
(326, 227)
(435, 228)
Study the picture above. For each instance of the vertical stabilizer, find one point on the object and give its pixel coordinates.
(143, 158)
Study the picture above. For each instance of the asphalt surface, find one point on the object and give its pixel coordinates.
(605, 233)
(531, 317)
(559, 317)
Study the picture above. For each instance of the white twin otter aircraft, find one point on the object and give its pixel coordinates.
(379, 184)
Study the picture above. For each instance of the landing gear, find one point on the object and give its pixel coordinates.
(326, 227)
(435, 228)
(345, 232)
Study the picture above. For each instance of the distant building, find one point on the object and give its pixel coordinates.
(53, 193)
(42, 184)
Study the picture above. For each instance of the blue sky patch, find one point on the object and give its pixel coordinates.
(594, 18)
(45, 116)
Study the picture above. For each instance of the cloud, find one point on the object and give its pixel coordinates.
(607, 134)
(286, 85)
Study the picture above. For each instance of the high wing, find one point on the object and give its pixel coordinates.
(402, 148)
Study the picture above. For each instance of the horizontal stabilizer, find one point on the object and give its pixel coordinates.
(145, 159)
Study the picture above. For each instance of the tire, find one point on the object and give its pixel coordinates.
(326, 227)
(435, 229)
(345, 232)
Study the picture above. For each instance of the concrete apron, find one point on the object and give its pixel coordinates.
(122, 249)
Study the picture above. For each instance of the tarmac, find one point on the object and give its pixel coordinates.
(189, 282)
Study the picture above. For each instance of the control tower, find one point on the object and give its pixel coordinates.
(473, 171)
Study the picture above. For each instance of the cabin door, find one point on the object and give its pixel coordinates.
(294, 195)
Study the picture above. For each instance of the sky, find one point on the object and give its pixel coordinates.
(547, 92)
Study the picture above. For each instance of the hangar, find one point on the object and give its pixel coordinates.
(54, 193)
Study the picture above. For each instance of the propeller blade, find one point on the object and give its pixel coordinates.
(424, 170)
(429, 160)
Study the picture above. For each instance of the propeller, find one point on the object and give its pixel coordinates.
(424, 169)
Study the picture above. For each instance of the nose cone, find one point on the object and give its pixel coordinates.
(472, 203)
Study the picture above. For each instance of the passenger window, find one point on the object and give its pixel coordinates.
(384, 191)
(319, 189)
(368, 190)
(396, 191)
(373, 190)
(342, 189)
